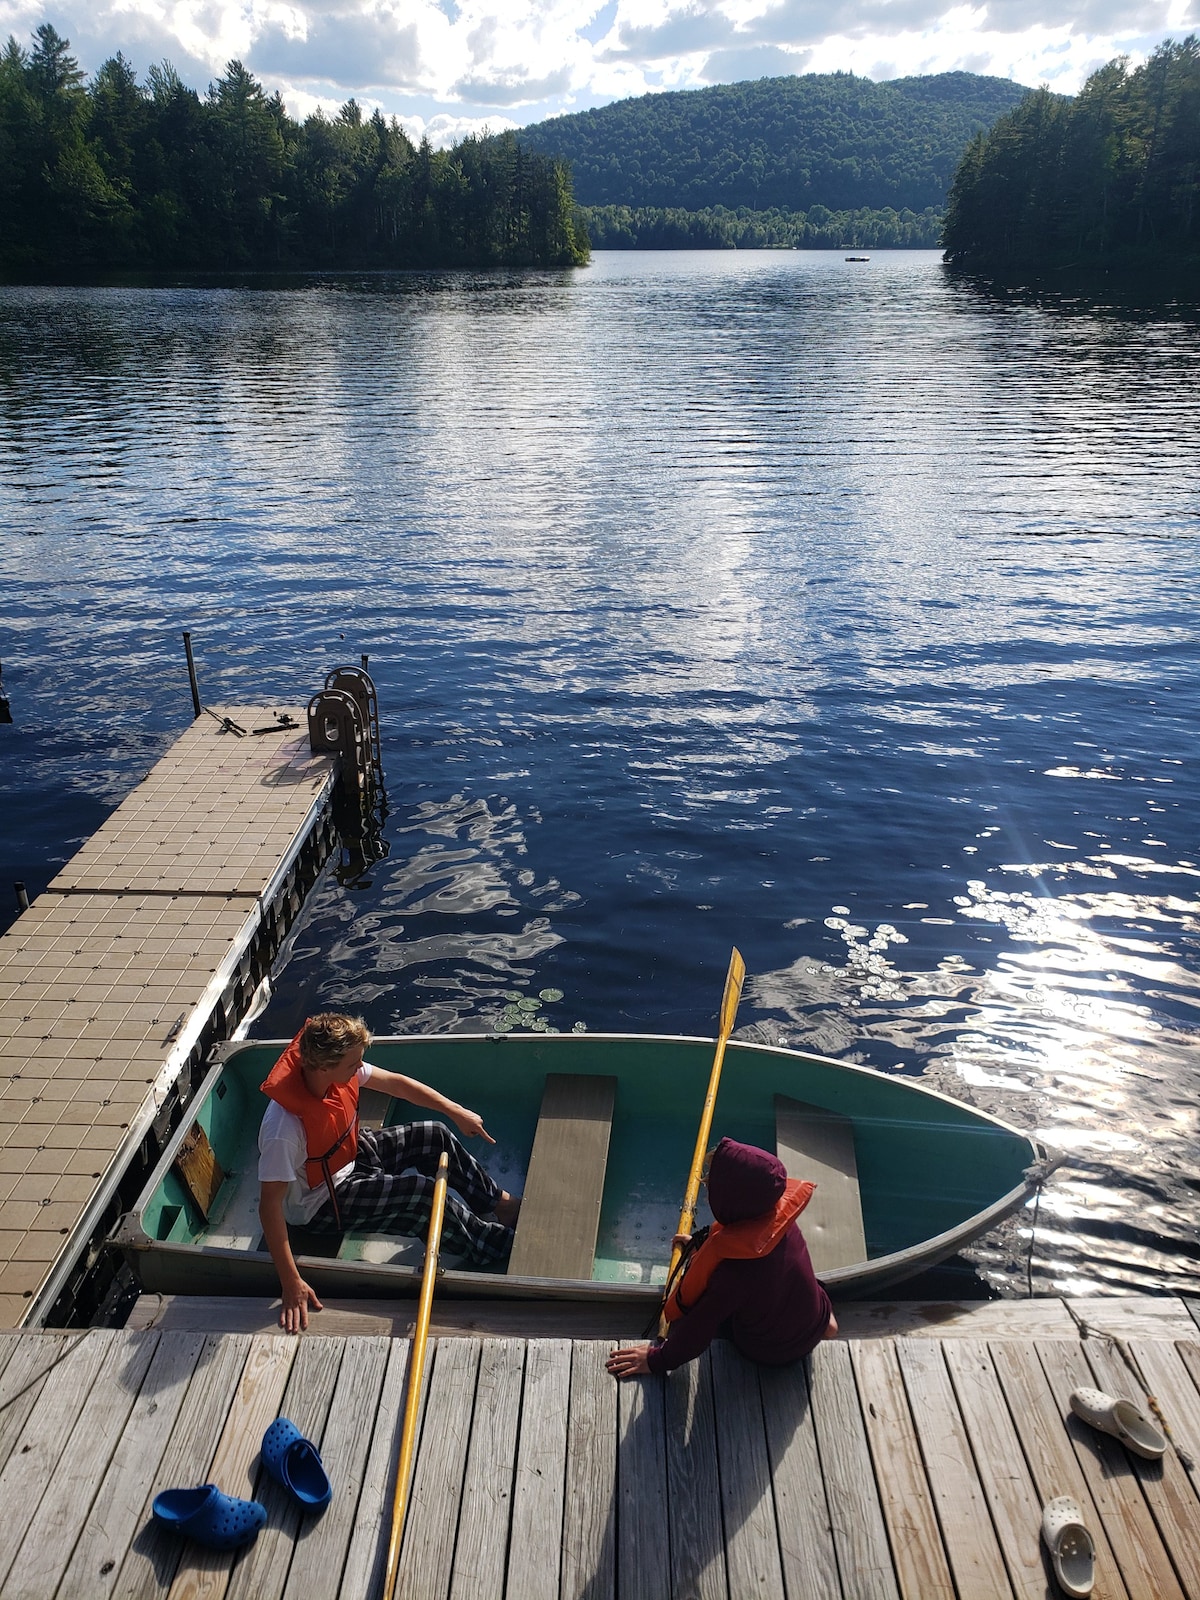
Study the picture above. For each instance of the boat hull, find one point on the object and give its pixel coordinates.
(933, 1174)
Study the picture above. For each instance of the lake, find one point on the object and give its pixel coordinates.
(841, 612)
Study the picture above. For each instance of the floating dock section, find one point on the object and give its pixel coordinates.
(143, 953)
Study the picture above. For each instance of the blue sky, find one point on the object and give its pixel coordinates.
(448, 67)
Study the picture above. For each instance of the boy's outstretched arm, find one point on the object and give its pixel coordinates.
(468, 1123)
(297, 1295)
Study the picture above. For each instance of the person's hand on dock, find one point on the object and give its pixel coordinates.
(629, 1362)
(297, 1298)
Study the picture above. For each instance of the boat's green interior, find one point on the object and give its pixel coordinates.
(925, 1163)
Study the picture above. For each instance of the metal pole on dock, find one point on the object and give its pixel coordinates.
(187, 645)
(22, 894)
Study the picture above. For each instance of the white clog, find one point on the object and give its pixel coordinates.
(1122, 1419)
(1072, 1552)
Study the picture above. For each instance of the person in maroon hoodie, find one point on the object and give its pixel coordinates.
(748, 1279)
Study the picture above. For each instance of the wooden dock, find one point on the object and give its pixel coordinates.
(890, 1467)
(142, 953)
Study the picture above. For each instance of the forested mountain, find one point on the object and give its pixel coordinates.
(116, 175)
(790, 143)
(1112, 176)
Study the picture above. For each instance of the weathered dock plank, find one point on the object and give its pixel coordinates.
(747, 1501)
(1114, 1487)
(29, 1363)
(205, 1575)
(1003, 1472)
(1170, 1379)
(431, 1528)
(539, 1482)
(643, 1554)
(1044, 1317)
(693, 1485)
(451, 1319)
(970, 1539)
(855, 1513)
(262, 1572)
(151, 1561)
(68, 1494)
(37, 1449)
(479, 1556)
(119, 1508)
(1169, 1489)
(922, 1572)
(589, 1510)
(1049, 1451)
(325, 1537)
(366, 1558)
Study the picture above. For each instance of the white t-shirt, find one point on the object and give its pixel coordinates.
(282, 1152)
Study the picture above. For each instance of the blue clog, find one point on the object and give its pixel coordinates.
(210, 1517)
(295, 1462)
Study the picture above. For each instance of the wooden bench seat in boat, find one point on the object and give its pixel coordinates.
(560, 1209)
(819, 1145)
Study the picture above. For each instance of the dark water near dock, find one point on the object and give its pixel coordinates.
(840, 612)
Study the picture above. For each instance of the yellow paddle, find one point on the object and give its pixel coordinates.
(734, 979)
(416, 1370)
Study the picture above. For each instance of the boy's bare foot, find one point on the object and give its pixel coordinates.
(508, 1208)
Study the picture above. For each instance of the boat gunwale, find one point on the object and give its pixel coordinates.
(228, 1049)
(876, 1272)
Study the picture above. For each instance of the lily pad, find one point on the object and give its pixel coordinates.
(551, 994)
(529, 1005)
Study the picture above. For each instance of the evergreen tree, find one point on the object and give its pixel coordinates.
(1110, 177)
(115, 174)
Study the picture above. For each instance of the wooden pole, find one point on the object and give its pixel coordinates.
(416, 1371)
(734, 979)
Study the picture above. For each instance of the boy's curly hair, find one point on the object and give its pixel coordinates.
(325, 1039)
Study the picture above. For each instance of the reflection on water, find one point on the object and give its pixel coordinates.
(845, 615)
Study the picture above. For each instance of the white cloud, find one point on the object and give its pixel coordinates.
(447, 67)
(445, 130)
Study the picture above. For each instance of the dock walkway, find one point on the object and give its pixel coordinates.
(143, 952)
(887, 1468)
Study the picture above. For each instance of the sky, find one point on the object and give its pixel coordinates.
(447, 68)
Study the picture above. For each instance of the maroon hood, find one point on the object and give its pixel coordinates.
(743, 1181)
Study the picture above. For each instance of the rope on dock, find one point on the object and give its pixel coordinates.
(1133, 1365)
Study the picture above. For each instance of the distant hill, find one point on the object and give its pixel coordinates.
(834, 140)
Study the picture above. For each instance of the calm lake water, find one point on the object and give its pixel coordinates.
(840, 612)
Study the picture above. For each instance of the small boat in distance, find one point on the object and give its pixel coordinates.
(858, 258)
(597, 1132)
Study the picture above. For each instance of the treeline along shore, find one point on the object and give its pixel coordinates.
(116, 175)
(1108, 181)
(723, 228)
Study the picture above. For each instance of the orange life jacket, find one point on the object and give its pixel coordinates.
(756, 1236)
(330, 1125)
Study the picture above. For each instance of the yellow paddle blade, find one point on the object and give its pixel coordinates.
(734, 979)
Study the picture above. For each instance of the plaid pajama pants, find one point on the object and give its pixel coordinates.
(391, 1191)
